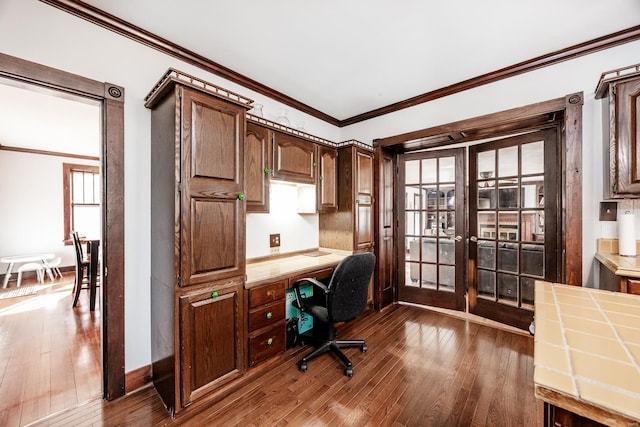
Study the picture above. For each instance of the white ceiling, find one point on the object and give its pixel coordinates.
(347, 57)
(43, 120)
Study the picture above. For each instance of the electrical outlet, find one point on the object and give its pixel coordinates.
(274, 241)
(275, 250)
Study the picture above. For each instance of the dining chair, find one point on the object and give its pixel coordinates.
(82, 269)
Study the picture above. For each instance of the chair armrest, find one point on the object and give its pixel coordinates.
(296, 290)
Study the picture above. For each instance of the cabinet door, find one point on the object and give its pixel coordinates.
(212, 182)
(364, 200)
(327, 179)
(257, 155)
(294, 159)
(210, 333)
(624, 137)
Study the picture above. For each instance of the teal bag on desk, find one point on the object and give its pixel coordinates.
(305, 321)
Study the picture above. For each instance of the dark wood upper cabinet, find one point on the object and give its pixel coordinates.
(350, 228)
(257, 167)
(621, 118)
(294, 159)
(327, 179)
(364, 199)
(212, 206)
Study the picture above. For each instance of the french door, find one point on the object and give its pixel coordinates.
(431, 250)
(513, 224)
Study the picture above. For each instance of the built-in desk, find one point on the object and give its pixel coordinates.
(261, 272)
(267, 283)
(587, 354)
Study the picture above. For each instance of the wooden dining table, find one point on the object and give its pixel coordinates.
(21, 259)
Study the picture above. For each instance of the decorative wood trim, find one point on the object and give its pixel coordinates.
(571, 107)
(460, 127)
(20, 71)
(572, 52)
(48, 153)
(126, 29)
(137, 379)
(572, 189)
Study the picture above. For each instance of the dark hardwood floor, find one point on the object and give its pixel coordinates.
(423, 368)
(50, 357)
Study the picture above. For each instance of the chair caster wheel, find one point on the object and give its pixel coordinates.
(303, 367)
(364, 348)
(348, 372)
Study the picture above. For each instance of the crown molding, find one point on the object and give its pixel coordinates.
(126, 29)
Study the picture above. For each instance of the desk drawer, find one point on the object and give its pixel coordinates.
(266, 315)
(266, 344)
(266, 294)
(323, 276)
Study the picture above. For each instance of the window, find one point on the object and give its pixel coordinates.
(81, 186)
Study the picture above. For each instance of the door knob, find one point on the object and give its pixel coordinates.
(473, 239)
(458, 238)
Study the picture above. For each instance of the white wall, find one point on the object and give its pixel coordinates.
(297, 231)
(40, 33)
(32, 205)
(579, 75)
(34, 31)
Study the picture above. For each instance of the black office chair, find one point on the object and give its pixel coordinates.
(341, 301)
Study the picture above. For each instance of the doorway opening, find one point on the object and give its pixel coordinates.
(110, 98)
(533, 215)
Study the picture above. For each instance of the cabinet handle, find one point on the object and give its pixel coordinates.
(266, 170)
(269, 315)
(320, 178)
(270, 341)
(214, 294)
(357, 201)
(314, 164)
(240, 196)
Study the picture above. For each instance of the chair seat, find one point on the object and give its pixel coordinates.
(31, 266)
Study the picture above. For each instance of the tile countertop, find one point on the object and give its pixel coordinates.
(261, 271)
(587, 352)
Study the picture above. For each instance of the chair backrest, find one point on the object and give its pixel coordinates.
(349, 287)
(78, 247)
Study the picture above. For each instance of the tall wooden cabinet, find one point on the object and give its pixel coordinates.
(350, 228)
(198, 317)
(621, 121)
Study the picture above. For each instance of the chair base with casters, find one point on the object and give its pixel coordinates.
(342, 300)
(332, 345)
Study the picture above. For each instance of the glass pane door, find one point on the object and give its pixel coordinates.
(511, 182)
(432, 228)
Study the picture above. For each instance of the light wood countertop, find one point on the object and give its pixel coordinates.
(620, 265)
(273, 269)
(587, 352)
(624, 266)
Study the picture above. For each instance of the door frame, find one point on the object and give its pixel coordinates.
(111, 99)
(510, 122)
